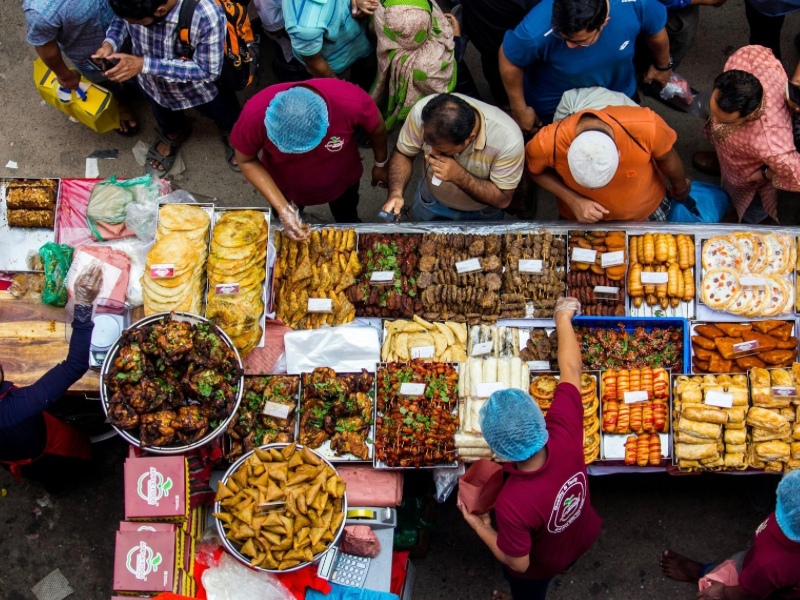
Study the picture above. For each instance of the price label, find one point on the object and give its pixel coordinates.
(277, 410)
(606, 291)
(784, 391)
(165, 271)
(530, 266)
(633, 397)
(412, 389)
(320, 305)
(720, 399)
(487, 389)
(648, 277)
(423, 352)
(755, 281)
(584, 255)
(611, 259)
(482, 348)
(539, 365)
(750, 347)
(381, 277)
(226, 289)
(468, 266)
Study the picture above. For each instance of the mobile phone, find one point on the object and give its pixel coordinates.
(793, 94)
(388, 217)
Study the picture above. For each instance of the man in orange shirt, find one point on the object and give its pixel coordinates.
(609, 165)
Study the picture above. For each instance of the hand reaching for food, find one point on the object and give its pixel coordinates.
(88, 284)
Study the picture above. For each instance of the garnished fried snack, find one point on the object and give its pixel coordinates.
(607, 348)
(276, 537)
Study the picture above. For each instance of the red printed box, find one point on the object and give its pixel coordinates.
(145, 562)
(156, 489)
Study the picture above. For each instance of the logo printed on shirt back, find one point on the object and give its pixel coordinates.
(626, 42)
(763, 526)
(334, 144)
(569, 503)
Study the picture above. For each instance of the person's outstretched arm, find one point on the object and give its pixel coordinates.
(570, 362)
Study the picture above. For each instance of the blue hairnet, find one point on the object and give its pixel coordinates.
(787, 512)
(513, 425)
(296, 120)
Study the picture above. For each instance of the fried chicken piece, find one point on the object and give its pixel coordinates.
(129, 364)
(190, 424)
(174, 340)
(122, 415)
(352, 442)
(156, 428)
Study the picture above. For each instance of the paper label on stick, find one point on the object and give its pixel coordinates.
(277, 410)
(539, 365)
(482, 348)
(320, 305)
(380, 277)
(412, 389)
(633, 397)
(468, 266)
(163, 271)
(584, 255)
(423, 352)
(784, 391)
(226, 289)
(648, 277)
(530, 266)
(487, 389)
(759, 281)
(611, 259)
(606, 291)
(750, 347)
(720, 399)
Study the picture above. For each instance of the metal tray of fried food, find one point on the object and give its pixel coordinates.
(18, 242)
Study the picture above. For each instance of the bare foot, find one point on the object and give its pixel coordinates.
(496, 595)
(126, 126)
(680, 568)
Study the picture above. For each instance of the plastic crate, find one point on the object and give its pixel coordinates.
(648, 323)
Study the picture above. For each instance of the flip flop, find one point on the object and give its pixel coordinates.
(126, 115)
(168, 160)
(229, 154)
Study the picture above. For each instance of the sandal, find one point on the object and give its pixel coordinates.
(126, 115)
(229, 154)
(165, 161)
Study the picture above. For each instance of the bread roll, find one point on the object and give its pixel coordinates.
(772, 451)
(734, 460)
(795, 450)
(695, 451)
(705, 414)
(740, 395)
(709, 431)
(765, 435)
(735, 436)
(685, 438)
(759, 378)
(734, 448)
(763, 418)
(796, 431)
(737, 414)
(782, 378)
(692, 396)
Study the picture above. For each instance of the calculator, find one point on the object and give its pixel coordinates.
(349, 569)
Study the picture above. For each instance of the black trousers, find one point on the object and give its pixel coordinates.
(224, 110)
(764, 31)
(345, 207)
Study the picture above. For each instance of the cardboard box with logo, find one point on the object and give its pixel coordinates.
(157, 489)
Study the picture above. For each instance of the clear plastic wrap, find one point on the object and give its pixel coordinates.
(347, 349)
(231, 580)
(446, 481)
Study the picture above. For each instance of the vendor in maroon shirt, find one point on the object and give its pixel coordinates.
(306, 135)
(545, 520)
(770, 569)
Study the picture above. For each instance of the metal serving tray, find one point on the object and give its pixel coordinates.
(18, 242)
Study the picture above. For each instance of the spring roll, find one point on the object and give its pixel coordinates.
(695, 451)
(709, 431)
(705, 414)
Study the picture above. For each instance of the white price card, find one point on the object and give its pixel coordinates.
(648, 277)
(743, 348)
(755, 281)
(162, 271)
(584, 255)
(539, 365)
(784, 391)
(530, 266)
(721, 399)
(320, 305)
(380, 277)
(423, 352)
(412, 389)
(604, 290)
(482, 348)
(468, 266)
(487, 389)
(633, 397)
(277, 410)
(226, 289)
(611, 259)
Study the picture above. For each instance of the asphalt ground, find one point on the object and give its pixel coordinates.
(706, 517)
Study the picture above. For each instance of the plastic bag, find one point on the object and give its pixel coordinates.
(142, 214)
(446, 481)
(137, 250)
(677, 90)
(231, 580)
(57, 259)
(346, 348)
(108, 205)
(711, 205)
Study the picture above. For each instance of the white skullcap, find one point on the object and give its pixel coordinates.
(593, 159)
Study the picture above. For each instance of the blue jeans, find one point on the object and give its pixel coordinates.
(428, 208)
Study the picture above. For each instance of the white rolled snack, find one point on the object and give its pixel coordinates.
(475, 415)
(525, 377)
(516, 370)
(463, 380)
(474, 453)
(470, 440)
(504, 372)
(475, 375)
(490, 370)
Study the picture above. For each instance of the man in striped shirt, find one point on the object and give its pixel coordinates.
(171, 83)
(474, 157)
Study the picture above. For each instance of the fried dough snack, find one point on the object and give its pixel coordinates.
(713, 346)
(661, 253)
(281, 537)
(583, 277)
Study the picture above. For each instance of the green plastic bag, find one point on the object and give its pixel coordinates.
(109, 202)
(57, 259)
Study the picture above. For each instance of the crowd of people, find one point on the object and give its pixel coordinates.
(564, 77)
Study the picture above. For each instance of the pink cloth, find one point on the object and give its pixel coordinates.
(724, 573)
(765, 140)
(369, 487)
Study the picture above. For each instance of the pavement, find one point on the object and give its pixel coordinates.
(706, 517)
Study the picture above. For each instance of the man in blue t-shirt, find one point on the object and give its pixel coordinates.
(567, 44)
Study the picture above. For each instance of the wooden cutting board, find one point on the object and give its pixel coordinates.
(32, 341)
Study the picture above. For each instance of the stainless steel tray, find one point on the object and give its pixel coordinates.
(17, 242)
